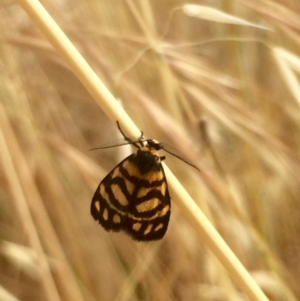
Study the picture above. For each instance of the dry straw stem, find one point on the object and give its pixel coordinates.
(114, 111)
(9, 144)
(24, 212)
(288, 63)
(5, 295)
(215, 15)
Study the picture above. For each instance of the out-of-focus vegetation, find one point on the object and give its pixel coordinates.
(231, 91)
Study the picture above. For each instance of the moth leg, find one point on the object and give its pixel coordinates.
(127, 138)
(162, 158)
(141, 136)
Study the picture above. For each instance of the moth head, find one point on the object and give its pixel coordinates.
(152, 144)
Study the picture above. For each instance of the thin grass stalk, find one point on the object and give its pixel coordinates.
(24, 213)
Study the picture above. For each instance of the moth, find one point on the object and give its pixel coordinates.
(134, 197)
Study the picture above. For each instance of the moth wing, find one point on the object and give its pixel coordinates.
(136, 203)
(110, 202)
(150, 208)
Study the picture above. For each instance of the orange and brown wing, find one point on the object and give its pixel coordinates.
(134, 201)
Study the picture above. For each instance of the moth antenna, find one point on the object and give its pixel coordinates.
(113, 144)
(169, 149)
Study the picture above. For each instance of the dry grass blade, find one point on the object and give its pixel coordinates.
(215, 15)
(22, 208)
(24, 258)
(7, 296)
(288, 63)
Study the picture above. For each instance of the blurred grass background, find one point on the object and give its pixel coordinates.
(225, 95)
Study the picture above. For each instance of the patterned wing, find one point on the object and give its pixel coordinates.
(134, 197)
(110, 202)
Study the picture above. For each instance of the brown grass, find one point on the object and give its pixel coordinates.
(225, 95)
